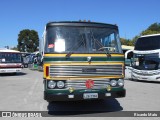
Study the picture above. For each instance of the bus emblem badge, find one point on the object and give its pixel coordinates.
(89, 59)
(89, 84)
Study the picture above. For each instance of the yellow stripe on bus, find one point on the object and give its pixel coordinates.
(82, 55)
(81, 77)
(84, 63)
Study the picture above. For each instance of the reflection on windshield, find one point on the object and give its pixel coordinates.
(81, 40)
(146, 62)
(10, 58)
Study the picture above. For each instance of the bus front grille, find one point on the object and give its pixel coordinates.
(89, 70)
(81, 84)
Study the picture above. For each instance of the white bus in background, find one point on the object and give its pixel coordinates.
(128, 64)
(146, 58)
(10, 61)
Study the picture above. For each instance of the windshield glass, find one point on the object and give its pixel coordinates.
(10, 58)
(64, 39)
(148, 43)
(146, 61)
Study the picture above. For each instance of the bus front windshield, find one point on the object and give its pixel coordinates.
(146, 61)
(148, 43)
(64, 39)
(10, 58)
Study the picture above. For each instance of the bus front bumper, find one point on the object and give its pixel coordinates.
(154, 78)
(14, 70)
(83, 96)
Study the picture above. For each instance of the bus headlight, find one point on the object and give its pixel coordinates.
(120, 82)
(51, 84)
(60, 84)
(113, 83)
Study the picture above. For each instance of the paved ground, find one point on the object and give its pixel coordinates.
(24, 92)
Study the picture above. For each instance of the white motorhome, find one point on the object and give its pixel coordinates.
(146, 58)
(10, 61)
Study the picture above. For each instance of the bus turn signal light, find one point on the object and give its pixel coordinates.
(47, 71)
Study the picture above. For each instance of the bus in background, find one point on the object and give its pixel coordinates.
(40, 62)
(146, 58)
(128, 64)
(82, 61)
(10, 61)
(25, 59)
(33, 61)
(40, 55)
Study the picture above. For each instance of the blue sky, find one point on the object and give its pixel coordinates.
(132, 16)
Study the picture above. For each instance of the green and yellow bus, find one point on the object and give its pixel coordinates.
(82, 61)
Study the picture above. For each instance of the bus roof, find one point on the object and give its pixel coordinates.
(150, 35)
(8, 50)
(79, 23)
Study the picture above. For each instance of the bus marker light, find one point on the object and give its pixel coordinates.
(108, 88)
(71, 90)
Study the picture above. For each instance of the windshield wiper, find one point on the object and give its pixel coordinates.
(101, 46)
(106, 51)
(69, 54)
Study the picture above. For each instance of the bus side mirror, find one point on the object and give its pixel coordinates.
(130, 55)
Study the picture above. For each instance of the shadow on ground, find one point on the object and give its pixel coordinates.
(83, 108)
(142, 81)
(12, 74)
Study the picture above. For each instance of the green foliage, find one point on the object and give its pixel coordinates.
(126, 42)
(154, 27)
(148, 32)
(28, 41)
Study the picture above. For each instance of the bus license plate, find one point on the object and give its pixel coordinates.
(90, 95)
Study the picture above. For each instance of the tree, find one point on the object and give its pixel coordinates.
(148, 32)
(126, 42)
(154, 27)
(28, 41)
(123, 41)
